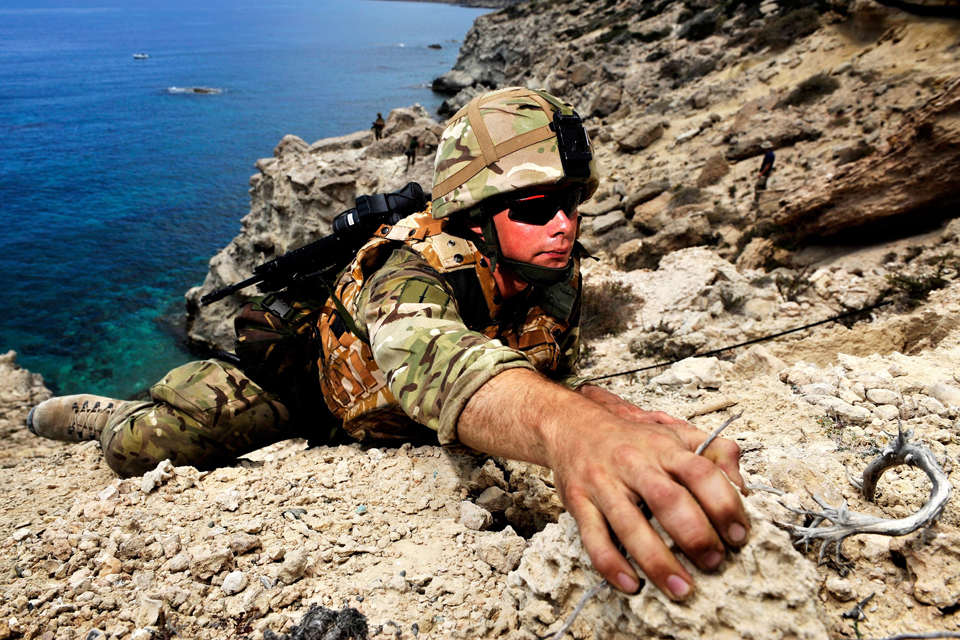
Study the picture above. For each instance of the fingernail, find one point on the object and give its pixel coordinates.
(713, 559)
(678, 587)
(736, 533)
(627, 583)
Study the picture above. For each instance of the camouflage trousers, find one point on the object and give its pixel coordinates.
(203, 414)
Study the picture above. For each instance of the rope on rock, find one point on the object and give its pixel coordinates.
(747, 343)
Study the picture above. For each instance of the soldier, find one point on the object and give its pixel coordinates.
(411, 151)
(463, 321)
(766, 168)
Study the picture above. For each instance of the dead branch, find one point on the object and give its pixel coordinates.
(846, 523)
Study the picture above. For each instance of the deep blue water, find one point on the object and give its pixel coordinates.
(115, 192)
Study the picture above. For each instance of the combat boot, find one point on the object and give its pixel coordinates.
(72, 418)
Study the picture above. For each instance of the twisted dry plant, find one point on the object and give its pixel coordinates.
(845, 523)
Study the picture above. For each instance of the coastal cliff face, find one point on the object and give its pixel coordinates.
(854, 97)
(860, 103)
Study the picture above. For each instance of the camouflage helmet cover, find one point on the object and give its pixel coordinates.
(503, 141)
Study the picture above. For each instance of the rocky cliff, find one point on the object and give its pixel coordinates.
(858, 101)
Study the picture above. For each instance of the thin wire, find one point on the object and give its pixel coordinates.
(747, 343)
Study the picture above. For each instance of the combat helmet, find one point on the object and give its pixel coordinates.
(511, 141)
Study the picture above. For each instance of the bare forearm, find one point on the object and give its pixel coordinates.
(606, 456)
(516, 415)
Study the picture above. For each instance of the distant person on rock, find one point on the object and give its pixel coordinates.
(766, 167)
(378, 126)
(411, 152)
(458, 324)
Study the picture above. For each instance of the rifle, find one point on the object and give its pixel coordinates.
(351, 229)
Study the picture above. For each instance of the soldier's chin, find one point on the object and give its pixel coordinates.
(552, 260)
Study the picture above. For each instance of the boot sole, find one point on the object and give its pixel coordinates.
(30, 421)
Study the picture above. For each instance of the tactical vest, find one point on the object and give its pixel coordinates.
(355, 388)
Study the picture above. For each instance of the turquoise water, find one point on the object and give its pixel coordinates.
(115, 190)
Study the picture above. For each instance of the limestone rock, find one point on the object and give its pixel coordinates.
(647, 192)
(703, 372)
(501, 550)
(756, 254)
(153, 479)
(234, 582)
(639, 135)
(294, 566)
(933, 560)
(916, 171)
(474, 517)
(740, 600)
(453, 81)
(205, 562)
(758, 360)
(607, 101)
(690, 231)
(608, 222)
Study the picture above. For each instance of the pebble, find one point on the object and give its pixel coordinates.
(234, 582)
(473, 517)
(883, 396)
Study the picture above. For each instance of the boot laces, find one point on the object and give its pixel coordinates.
(85, 417)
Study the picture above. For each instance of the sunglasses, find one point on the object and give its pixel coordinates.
(540, 209)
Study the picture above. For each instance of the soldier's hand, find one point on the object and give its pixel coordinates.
(725, 454)
(607, 456)
(604, 468)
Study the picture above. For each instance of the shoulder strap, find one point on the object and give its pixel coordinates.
(468, 293)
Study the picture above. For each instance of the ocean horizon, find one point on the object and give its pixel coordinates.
(119, 182)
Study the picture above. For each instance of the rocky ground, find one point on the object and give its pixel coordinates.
(427, 544)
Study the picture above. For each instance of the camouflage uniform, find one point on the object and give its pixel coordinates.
(421, 361)
(421, 358)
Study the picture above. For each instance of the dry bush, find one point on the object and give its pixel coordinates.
(607, 309)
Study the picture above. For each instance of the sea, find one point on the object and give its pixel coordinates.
(119, 182)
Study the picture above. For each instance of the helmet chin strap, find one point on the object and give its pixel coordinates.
(489, 246)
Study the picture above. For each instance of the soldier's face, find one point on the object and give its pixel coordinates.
(545, 241)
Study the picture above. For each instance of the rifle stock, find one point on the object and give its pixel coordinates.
(351, 229)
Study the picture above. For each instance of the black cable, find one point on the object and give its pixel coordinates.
(744, 344)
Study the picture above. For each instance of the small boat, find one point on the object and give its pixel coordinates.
(140, 56)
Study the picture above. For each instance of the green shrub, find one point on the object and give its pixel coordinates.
(811, 90)
(731, 303)
(607, 308)
(914, 289)
(791, 286)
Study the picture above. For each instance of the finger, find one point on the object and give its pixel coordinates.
(717, 499)
(684, 519)
(726, 455)
(647, 548)
(722, 452)
(604, 554)
(658, 417)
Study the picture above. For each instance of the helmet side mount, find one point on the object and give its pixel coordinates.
(573, 144)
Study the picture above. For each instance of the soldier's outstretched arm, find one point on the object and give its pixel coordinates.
(607, 455)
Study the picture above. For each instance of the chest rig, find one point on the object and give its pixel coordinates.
(354, 387)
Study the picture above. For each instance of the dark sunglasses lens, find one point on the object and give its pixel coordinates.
(539, 210)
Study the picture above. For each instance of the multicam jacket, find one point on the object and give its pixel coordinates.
(436, 331)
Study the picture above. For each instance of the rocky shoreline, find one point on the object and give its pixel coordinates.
(860, 103)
